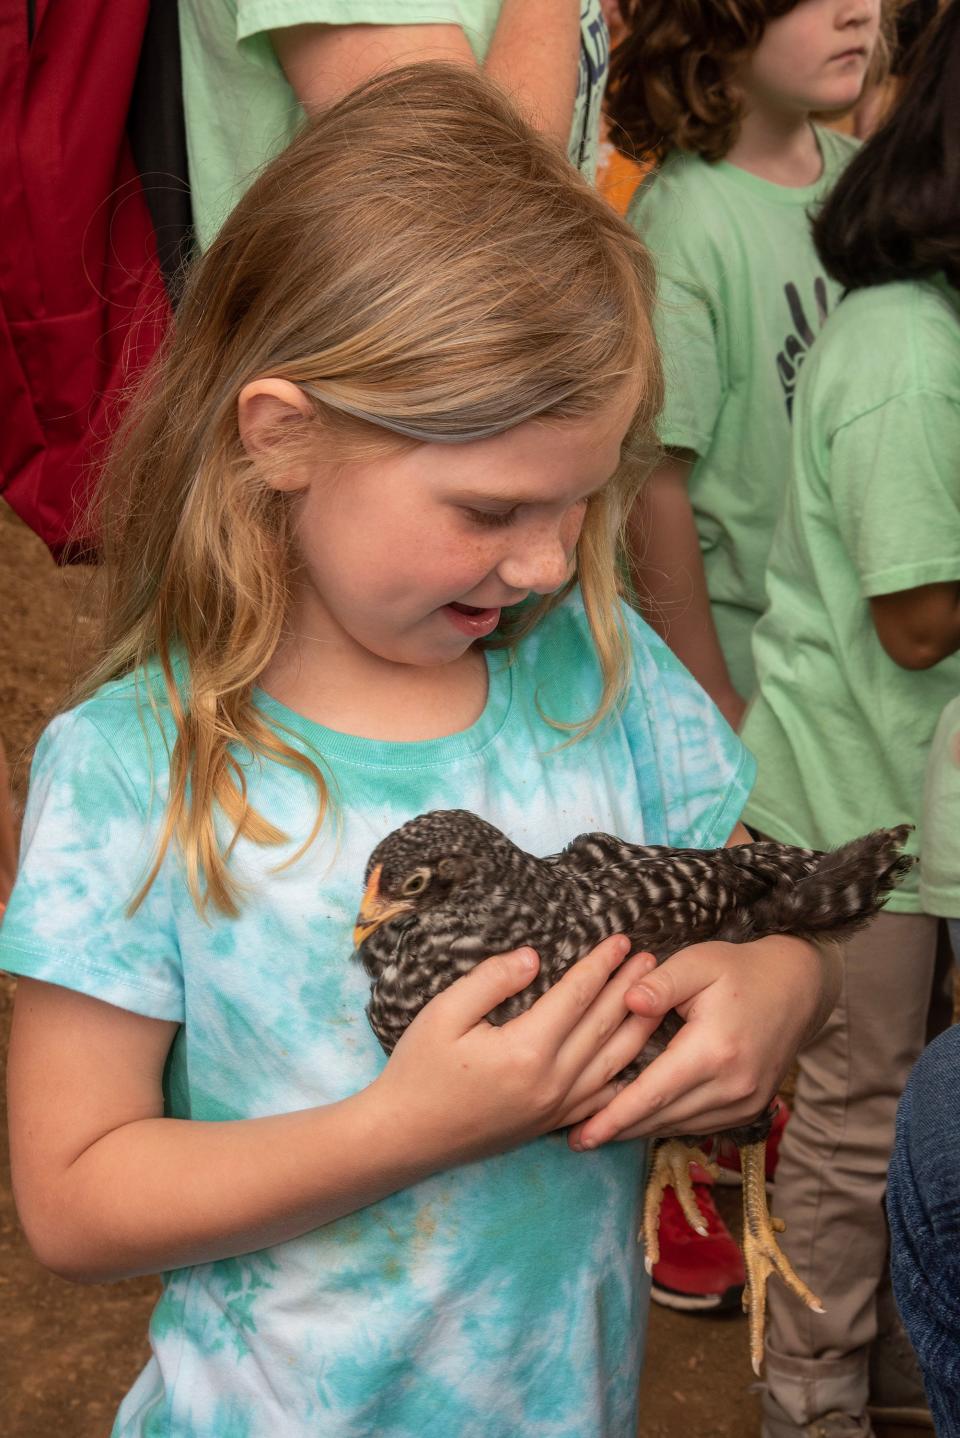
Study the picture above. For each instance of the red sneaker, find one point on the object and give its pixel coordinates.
(696, 1274)
(727, 1156)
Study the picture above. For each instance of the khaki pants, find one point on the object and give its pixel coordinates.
(832, 1170)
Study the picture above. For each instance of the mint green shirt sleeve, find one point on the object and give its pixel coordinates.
(687, 316)
(256, 19)
(686, 327)
(892, 474)
(256, 16)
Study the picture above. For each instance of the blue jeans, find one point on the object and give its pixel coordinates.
(923, 1208)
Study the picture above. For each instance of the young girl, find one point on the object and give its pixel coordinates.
(856, 657)
(349, 513)
(722, 94)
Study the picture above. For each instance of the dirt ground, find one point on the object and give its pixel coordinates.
(68, 1353)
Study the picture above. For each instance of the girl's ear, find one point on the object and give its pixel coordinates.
(265, 409)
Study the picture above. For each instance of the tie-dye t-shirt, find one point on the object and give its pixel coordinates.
(503, 1297)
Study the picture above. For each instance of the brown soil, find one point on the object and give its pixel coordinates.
(68, 1353)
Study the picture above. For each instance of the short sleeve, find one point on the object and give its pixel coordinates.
(894, 476)
(86, 846)
(686, 320)
(685, 750)
(693, 394)
(256, 17)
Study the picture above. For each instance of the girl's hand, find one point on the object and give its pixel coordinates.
(464, 1088)
(748, 1008)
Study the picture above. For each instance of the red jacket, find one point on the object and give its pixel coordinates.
(82, 303)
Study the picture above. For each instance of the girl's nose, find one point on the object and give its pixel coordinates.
(539, 566)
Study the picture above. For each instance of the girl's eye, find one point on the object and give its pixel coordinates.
(491, 518)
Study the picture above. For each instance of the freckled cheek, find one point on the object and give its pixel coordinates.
(466, 560)
(570, 528)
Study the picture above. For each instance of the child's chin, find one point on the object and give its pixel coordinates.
(840, 97)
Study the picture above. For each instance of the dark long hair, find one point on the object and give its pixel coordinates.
(894, 214)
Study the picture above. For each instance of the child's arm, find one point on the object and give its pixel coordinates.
(748, 1008)
(533, 56)
(107, 1187)
(670, 582)
(903, 540)
(918, 627)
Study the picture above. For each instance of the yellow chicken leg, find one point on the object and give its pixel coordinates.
(762, 1254)
(671, 1169)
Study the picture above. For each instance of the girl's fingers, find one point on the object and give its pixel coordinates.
(676, 981)
(705, 1110)
(609, 1061)
(467, 1002)
(671, 1091)
(605, 1016)
(557, 1012)
(589, 1106)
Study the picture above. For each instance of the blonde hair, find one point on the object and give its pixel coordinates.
(420, 262)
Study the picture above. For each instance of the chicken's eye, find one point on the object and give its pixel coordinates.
(417, 882)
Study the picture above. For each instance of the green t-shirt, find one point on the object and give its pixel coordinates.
(241, 112)
(940, 855)
(742, 295)
(840, 731)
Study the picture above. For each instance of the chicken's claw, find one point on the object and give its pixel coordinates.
(671, 1169)
(762, 1254)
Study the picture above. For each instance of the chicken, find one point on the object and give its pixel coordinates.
(446, 890)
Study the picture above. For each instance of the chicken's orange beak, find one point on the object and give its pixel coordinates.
(374, 910)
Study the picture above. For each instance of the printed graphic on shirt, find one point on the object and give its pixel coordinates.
(798, 342)
(591, 80)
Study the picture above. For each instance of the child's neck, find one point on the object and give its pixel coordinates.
(777, 145)
(355, 692)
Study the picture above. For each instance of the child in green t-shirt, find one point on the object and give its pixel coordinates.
(856, 657)
(722, 94)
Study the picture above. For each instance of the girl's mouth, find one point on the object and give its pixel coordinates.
(468, 619)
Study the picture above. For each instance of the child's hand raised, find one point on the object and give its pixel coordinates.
(464, 1088)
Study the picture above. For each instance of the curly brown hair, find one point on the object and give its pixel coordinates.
(670, 78)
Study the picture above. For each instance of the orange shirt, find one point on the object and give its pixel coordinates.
(618, 176)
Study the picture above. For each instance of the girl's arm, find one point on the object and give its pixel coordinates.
(670, 583)
(533, 56)
(748, 1008)
(107, 1187)
(918, 627)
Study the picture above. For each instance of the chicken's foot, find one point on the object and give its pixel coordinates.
(762, 1254)
(671, 1169)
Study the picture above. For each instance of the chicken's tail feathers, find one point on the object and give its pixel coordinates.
(843, 891)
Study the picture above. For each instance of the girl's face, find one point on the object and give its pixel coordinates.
(813, 58)
(412, 557)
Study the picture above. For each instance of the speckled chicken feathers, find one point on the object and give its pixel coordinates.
(485, 895)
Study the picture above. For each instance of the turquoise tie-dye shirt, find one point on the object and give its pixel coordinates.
(504, 1297)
